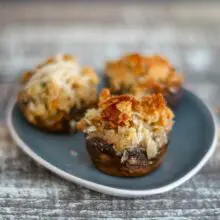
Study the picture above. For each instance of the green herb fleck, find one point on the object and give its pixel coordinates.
(129, 66)
(43, 84)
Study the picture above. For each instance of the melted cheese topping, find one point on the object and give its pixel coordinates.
(59, 72)
(56, 86)
(126, 122)
(140, 75)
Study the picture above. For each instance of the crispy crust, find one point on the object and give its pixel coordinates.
(108, 161)
(172, 98)
(141, 75)
(126, 136)
(88, 71)
(62, 125)
(51, 106)
(117, 110)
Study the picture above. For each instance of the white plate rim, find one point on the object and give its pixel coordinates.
(106, 189)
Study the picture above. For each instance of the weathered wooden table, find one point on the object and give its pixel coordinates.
(188, 34)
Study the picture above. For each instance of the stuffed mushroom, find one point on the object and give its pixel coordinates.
(126, 136)
(56, 94)
(142, 75)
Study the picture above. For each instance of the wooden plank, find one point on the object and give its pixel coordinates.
(110, 11)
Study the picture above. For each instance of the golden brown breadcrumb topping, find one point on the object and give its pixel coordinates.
(139, 74)
(55, 87)
(86, 71)
(117, 110)
(126, 122)
(154, 110)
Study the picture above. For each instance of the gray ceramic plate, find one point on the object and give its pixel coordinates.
(193, 140)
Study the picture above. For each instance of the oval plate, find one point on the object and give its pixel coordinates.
(193, 141)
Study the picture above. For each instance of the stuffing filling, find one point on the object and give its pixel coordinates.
(56, 86)
(127, 123)
(141, 75)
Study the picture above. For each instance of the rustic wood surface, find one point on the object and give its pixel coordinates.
(188, 34)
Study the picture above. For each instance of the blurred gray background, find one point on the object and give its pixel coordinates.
(187, 32)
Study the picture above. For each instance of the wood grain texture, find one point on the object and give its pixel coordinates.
(187, 36)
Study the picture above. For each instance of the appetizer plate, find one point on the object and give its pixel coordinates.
(193, 141)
